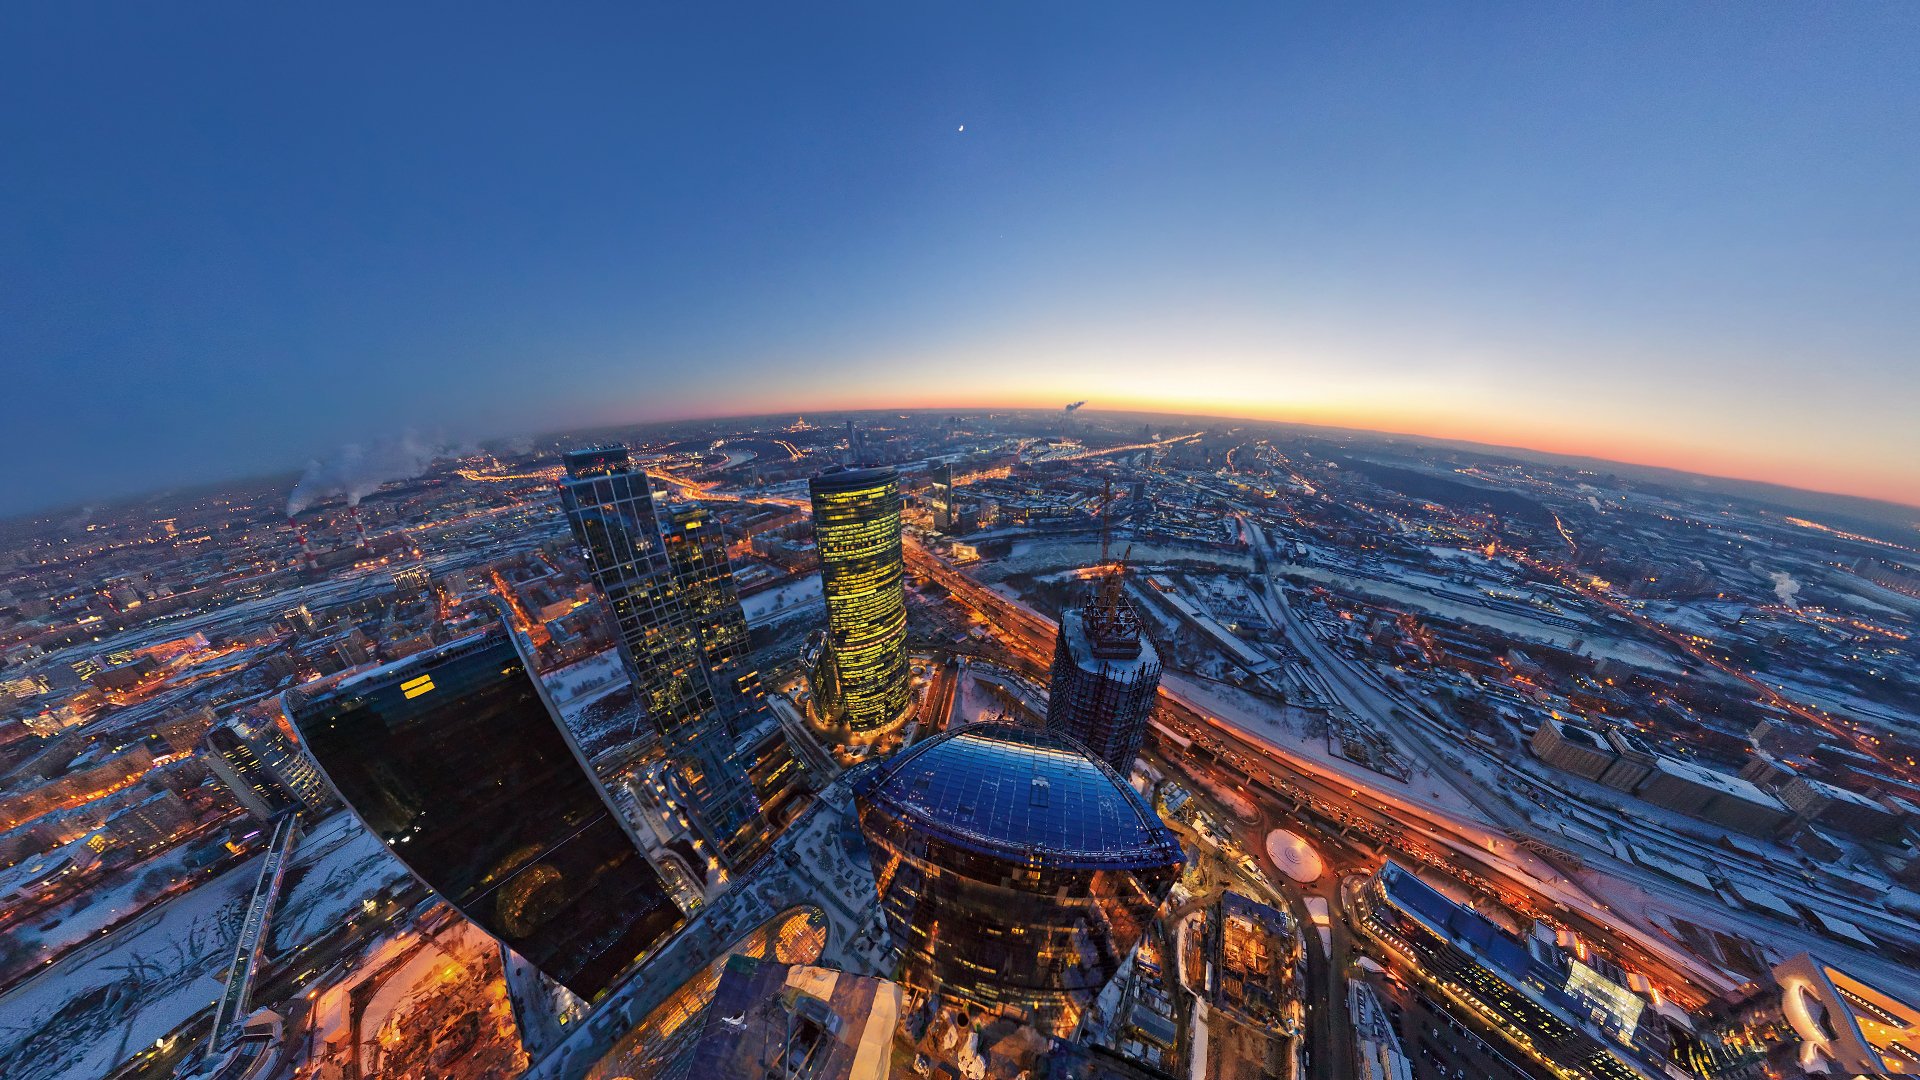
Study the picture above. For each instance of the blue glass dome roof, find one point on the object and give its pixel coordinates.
(1014, 791)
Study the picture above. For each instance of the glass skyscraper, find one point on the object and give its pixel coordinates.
(1105, 676)
(681, 632)
(1013, 868)
(856, 522)
(455, 760)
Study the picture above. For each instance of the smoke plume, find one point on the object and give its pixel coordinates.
(356, 471)
(1074, 406)
(1785, 588)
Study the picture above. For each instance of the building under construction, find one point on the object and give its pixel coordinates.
(1105, 674)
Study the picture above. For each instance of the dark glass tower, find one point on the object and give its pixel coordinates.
(1013, 867)
(1104, 677)
(856, 522)
(682, 634)
(455, 760)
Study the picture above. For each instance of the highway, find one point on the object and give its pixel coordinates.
(1464, 844)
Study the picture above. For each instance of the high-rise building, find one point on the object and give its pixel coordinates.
(941, 497)
(697, 557)
(455, 759)
(1105, 674)
(266, 772)
(856, 523)
(1013, 867)
(681, 634)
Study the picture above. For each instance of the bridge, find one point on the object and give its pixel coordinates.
(231, 1010)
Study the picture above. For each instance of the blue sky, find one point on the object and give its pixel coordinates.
(234, 237)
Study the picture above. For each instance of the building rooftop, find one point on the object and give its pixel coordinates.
(1724, 782)
(1580, 736)
(596, 461)
(1013, 791)
(849, 479)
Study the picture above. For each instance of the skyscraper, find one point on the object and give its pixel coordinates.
(682, 635)
(454, 758)
(697, 558)
(856, 522)
(941, 496)
(1013, 868)
(1105, 673)
(261, 765)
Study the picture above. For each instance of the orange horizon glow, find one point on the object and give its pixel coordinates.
(1784, 470)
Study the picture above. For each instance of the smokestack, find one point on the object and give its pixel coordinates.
(359, 527)
(307, 558)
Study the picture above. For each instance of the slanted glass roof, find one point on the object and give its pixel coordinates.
(1015, 790)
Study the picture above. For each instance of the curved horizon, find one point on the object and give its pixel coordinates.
(1680, 239)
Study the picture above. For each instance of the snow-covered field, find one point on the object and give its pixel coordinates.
(769, 604)
(98, 1007)
(1040, 556)
(339, 865)
(586, 678)
(1627, 652)
(105, 1003)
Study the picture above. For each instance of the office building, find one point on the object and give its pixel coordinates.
(856, 523)
(1013, 867)
(940, 497)
(1576, 749)
(1555, 1009)
(703, 574)
(680, 631)
(455, 759)
(263, 768)
(1104, 678)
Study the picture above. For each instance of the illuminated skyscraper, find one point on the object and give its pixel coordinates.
(681, 632)
(856, 522)
(1104, 677)
(454, 758)
(260, 764)
(1013, 868)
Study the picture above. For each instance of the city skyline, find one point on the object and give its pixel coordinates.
(1673, 238)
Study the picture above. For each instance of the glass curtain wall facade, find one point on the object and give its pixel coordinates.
(1013, 868)
(455, 760)
(681, 633)
(856, 522)
(697, 558)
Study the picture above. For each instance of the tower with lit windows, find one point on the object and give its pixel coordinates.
(856, 522)
(682, 636)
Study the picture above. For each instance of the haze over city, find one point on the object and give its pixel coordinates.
(235, 239)
(924, 542)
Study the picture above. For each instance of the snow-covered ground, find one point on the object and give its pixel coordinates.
(73, 923)
(1040, 555)
(586, 678)
(1518, 626)
(1286, 729)
(98, 1007)
(769, 604)
(338, 865)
